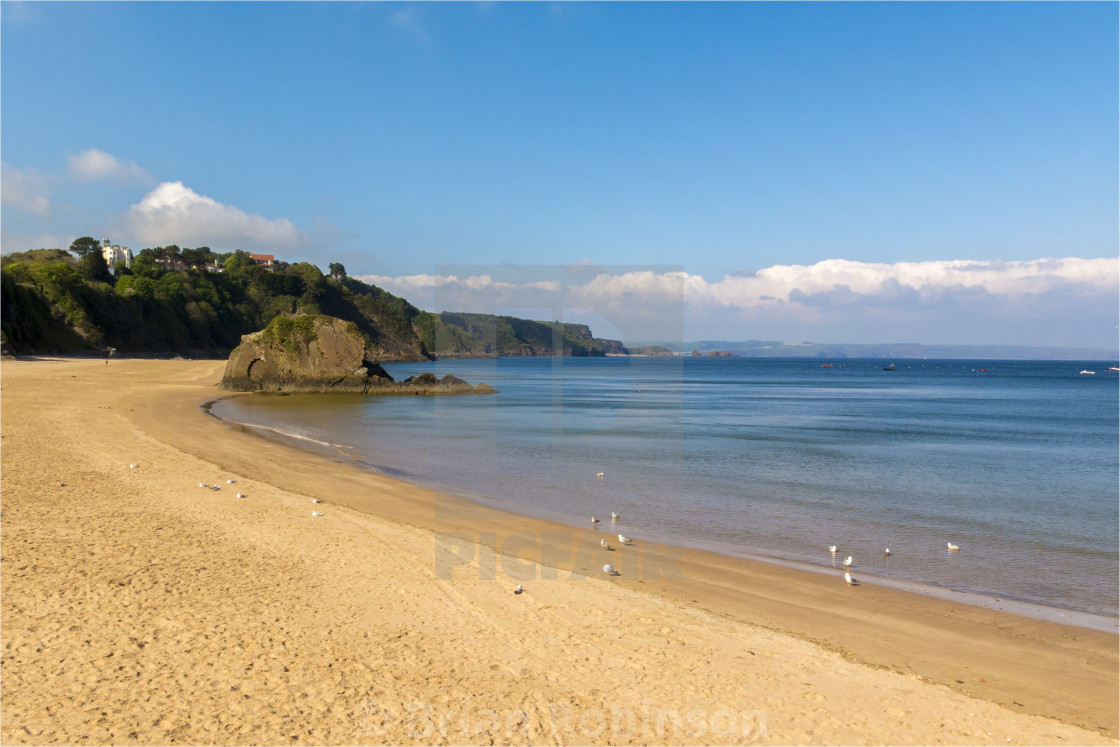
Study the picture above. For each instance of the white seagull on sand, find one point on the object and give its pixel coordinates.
(599, 475)
(847, 561)
(951, 546)
(203, 485)
(316, 500)
(316, 513)
(594, 520)
(242, 495)
(848, 577)
(603, 544)
(231, 482)
(133, 466)
(832, 549)
(518, 590)
(608, 568)
(624, 539)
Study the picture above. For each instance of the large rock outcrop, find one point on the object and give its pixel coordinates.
(315, 353)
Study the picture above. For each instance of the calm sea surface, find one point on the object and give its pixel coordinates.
(1017, 464)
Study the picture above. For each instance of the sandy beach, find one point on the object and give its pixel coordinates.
(139, 608)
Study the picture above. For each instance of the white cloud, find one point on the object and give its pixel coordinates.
(173, 213)
(26, 190)
(1050, 301)
(93, 165)
(921, 283)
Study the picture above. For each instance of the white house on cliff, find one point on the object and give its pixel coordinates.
(114, 254)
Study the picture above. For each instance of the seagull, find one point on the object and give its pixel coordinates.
(951, 546)
(62, 485)
(832, 549)
(242, 495)
(604, 545)
(847, 561)
(316, 513)
(615, 516)
(594, 520)
(599, 475)
(231, 482)
(887, 552)
(133, 466)
(215, 487)
(203, 485)
(608, 568)
(316, 500)
(624, 539)
(848, 577)
(518, 590)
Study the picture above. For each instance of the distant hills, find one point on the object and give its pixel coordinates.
(775, 349)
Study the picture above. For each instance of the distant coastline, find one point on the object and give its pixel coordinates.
(904, 350)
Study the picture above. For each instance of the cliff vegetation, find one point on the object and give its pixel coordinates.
(197, 302)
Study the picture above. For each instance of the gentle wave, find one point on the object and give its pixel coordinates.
(257, 427)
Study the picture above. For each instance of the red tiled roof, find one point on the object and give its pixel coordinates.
(263, 257)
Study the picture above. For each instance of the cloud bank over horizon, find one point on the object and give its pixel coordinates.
(1064, 302)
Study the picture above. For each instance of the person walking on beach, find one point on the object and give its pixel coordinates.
(110, 355)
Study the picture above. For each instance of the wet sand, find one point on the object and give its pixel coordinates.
(137, 607)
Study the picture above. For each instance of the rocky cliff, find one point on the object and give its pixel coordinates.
(316, 353)
(462, 335)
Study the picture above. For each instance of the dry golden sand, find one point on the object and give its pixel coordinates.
(140, 608)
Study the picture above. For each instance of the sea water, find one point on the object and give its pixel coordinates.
(1014, 461)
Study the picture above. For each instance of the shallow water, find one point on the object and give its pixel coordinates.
(1017, 464)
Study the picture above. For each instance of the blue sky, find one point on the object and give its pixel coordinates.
(844, 172)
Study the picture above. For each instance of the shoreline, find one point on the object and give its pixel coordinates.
(700, 560)
(988, 676)
(1022, 607)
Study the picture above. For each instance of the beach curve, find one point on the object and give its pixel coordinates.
(139, 608)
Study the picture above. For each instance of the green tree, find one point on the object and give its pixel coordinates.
(94, 267)
(170, 252)
(196, 257)
(84, 246)
(237, 261)
(145, 265)
(337, 271)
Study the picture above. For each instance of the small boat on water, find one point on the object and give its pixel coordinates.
(1114, 369)
(891, 367)
(826, 365)
(1088, 373)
